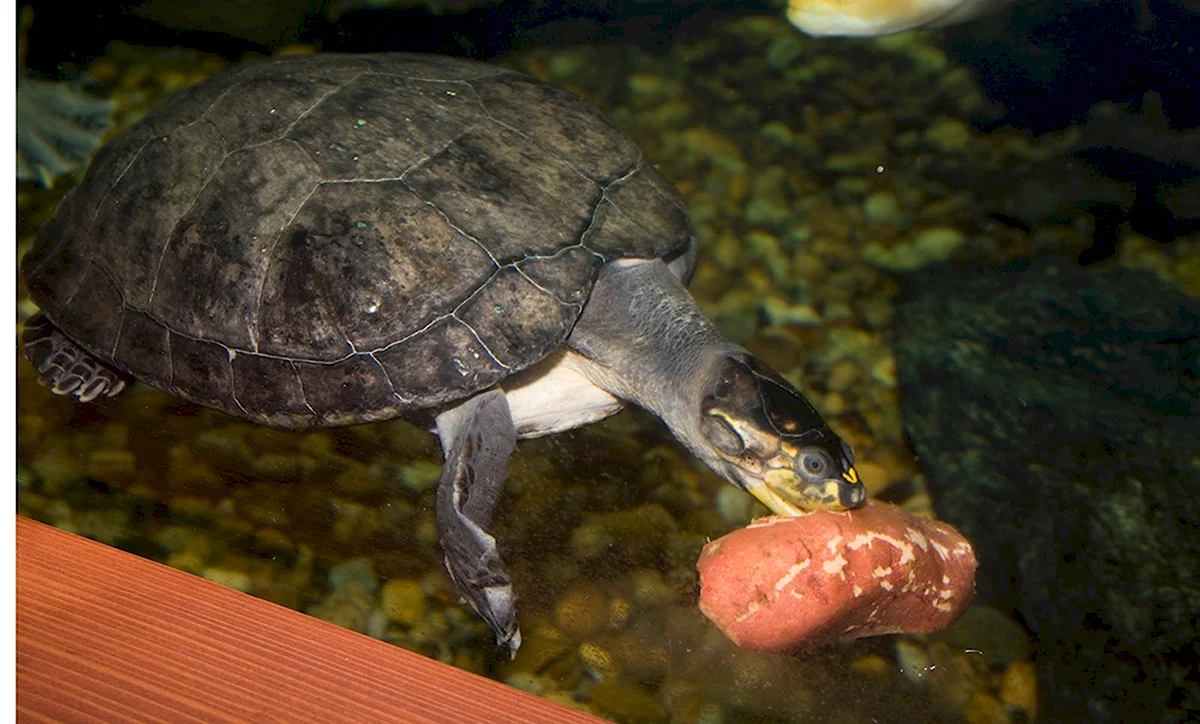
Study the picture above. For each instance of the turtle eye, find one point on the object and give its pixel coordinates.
(721, 435)
(815, 464)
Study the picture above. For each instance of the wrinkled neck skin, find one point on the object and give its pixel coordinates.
(646, 341)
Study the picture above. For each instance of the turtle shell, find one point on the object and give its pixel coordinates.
(331, 239)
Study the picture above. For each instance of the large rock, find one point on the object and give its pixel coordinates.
(1056, 413)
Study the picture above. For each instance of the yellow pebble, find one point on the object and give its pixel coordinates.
(111, 465)
(404, 601)
(874, 477)
(871, 664)
(1018, 688)
(598, 662)
(582, 610)
(985, 709)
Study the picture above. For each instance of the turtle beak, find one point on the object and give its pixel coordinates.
(786, 495)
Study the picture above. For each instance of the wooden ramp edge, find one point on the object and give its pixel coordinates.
(105, 636)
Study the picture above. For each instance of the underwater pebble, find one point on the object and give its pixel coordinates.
(57, 468)
(598, 663)
(403, 600)
(882, 207)
(526, 681)
(106, 526)
(777, 132)
(875, 478)
(356, 571)
(780, 311)
(420, 475)
(867, 158)
(705, 143)
(734, 506)
(913, 661)
(650, 590)
(111, 465)
(948, 135)
(926, 247)
(542, 649)
(376, 625)
(582, 610)
(872, 665)
(620, 609)
(1019, 689)
(651, 86)
(628, 704)
(996, 636)
(354, 522)
(358, 480)
(230, 578)
(639, 533)
(985, 709)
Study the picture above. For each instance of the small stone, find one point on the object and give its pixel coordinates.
(544, 648)
(874, 477)
(1018, 689)
(734, 506)
(882, 207)
(985, 709)
(628, 704)
(648, 85)
(356, 571)
(358, 480)
(582, 610)
(649, 588)
(711, 146)
(230, 578)
(777, 132)
(377, 624)
(403, 600)
(883, 371)
(780, 311)
(928, 246)
(640, 533)
(872, 665)
(619, 611)
(843, 375)
(913, 661)
(948, 135)
(1001, 640)
(867, 158)
(284, 467)
(598, 662)
(526, 681)
(420, 475)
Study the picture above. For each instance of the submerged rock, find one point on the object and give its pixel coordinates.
(1056, 414)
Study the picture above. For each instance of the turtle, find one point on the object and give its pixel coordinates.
(323, 240)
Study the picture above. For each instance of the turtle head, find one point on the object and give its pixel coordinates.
(769, 440)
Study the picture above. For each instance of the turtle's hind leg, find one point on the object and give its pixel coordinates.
(478, 437)
(65, 367)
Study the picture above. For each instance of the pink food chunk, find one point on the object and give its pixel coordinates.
(783, 583)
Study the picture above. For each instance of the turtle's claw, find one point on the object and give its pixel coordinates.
(478, 437)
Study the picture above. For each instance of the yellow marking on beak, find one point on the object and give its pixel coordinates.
(851, 476)
(775, 503)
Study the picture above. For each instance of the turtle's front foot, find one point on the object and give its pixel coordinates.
(478, 437)
(65, 367)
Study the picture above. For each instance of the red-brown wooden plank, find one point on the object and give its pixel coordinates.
(105, 636)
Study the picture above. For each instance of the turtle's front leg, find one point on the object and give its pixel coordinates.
(477, 437)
